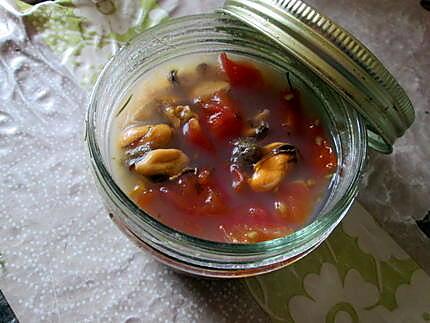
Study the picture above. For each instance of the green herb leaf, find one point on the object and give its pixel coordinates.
(125, 104)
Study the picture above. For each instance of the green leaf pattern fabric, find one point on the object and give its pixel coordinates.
(358, 275)
(85, 34)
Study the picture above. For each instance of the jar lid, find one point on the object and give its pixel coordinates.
(338, 58)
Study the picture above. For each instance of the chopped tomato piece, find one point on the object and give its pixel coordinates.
(295, 201)
(323, 157)
(175, 194)
(221, 117)
(241, 74)
(223, 122)
(224, 99)
(142, 196)
(211, 201)
(193, 131)
(191, 195)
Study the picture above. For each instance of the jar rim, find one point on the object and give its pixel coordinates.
(310, 232)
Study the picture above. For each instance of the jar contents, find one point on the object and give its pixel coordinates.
(222, 148)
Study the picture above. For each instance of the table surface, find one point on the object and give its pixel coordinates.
(395, 188)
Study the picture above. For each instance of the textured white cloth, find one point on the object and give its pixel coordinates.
(65, 259)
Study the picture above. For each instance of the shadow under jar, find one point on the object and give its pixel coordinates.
(217, 33)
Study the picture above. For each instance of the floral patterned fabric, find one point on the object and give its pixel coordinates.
(358, 275)
(85, 34)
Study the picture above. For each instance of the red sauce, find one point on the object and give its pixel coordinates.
(215, 201)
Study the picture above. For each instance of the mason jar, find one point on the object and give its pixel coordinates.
(348, 122)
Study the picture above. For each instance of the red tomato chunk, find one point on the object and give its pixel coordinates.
(241, 74)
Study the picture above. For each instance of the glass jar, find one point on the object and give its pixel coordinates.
(206, 34)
